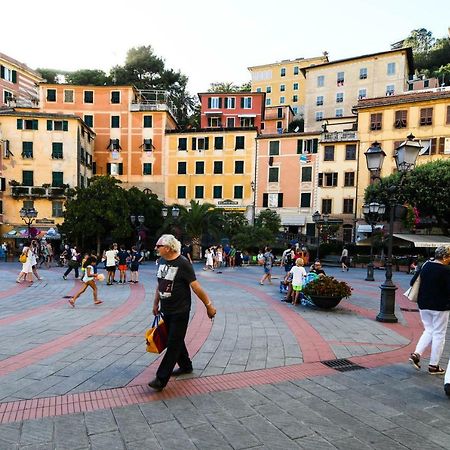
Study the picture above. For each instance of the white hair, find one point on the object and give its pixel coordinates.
(169, 240)
(442, 252)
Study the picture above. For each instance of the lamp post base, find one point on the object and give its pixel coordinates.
(387, 303)
(369, 276)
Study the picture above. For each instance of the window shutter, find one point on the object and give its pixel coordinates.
(206, 143)
(220, 102)
(299, 146)
(14, 76)
(441, 145)
(242, 102)
(320, 179)
(94, 168)
(19, 124)
(335, 179)
(225, 103)
(2, 72)
(315, 145)
(433, 146)
(120, 168)
(49, 125)
(35, 124)
(65, 125)
(209, 102)
(280, 200)
(108, 168)
(265, 200)
(194, 143)
(448, 114)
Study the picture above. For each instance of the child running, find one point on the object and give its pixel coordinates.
(298, 273)
(88, 279)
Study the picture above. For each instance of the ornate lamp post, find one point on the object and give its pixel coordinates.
(373, 212)
(28, 215)
(405, 159)
(320, 220)
(138, 223)
(174, 213)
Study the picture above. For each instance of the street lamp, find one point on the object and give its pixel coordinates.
(138, 223)
(28, 215)
(373, 212)
(405, 159)
(253, 187)
(174, 213)
(319, 220)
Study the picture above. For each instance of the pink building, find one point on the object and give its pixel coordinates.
(18, 83)
(232, 109)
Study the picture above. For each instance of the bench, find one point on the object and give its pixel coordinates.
(331, 261)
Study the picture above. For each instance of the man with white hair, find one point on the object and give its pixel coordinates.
(176, 278)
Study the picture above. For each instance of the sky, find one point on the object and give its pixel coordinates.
(209, 41)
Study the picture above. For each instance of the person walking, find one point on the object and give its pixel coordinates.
(74, 263)
(136, 258)
(27, 268)
(175, 279)
(344, 260)
(88, 280)
(298, 273)
(268, 263)
(111, 259)
(434, 306)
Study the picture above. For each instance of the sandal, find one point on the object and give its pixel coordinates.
(98, 302)
(435, 370)
(72, 303)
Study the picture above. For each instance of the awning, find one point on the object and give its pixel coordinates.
(364, 228)
(214, 113)
(246, 115)
(425, 240)
(38, 232)
(294, 219)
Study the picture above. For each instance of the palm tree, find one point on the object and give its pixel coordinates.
(199, 219)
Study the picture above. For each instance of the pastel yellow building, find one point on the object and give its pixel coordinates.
(42, 154)
(389, 120)
(211, 166)
(284, 82)
(333, 88)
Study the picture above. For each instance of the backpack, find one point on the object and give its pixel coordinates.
(288, 259)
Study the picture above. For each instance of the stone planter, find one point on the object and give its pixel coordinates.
(325, 302)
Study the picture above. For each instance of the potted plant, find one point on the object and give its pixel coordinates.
(326, 292)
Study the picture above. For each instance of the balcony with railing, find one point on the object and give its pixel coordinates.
(339, 136)
(38, 191)
(153, 100)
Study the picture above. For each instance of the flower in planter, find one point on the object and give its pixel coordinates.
(326, 286)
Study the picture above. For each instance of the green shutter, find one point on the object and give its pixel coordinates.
(19, 124)
(299, 146)
(14, 76)
(2, 72)
(65, 125)
(194, 143)
(120, 168)
(206, 143)
(49, 125)
(35, 124)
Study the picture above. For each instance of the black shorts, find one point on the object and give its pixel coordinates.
(111, 268)
(134, 267)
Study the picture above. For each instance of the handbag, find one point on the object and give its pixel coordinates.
(412, 293)
(23, 258)
(156, 336)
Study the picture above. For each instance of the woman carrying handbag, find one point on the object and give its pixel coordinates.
(434, 306)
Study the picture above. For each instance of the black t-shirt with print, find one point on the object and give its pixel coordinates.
(123, 255)
(174, 279)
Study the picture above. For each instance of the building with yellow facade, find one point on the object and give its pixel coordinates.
(333, 88)
(284, 82)
(129, 124)
(42, 154)
(389, 120)
(211, 166)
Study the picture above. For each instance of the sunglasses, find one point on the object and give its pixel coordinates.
(157, 246)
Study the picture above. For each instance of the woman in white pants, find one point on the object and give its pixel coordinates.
(434, 305)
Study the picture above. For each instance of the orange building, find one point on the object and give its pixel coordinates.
(129, 125)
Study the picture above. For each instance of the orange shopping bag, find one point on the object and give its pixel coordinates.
(156, 336)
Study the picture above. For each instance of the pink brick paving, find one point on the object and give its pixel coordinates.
(36, 354)
(135, 393)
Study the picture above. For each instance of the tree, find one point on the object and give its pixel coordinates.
(233, 223)
(222, 87)
(88, 77)
(198, 220)
(145, 70)
(269, 219)
(252, 238)
(426, 188)
(421, 40)
(50, 75)
(96, 212)
(297, 126)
